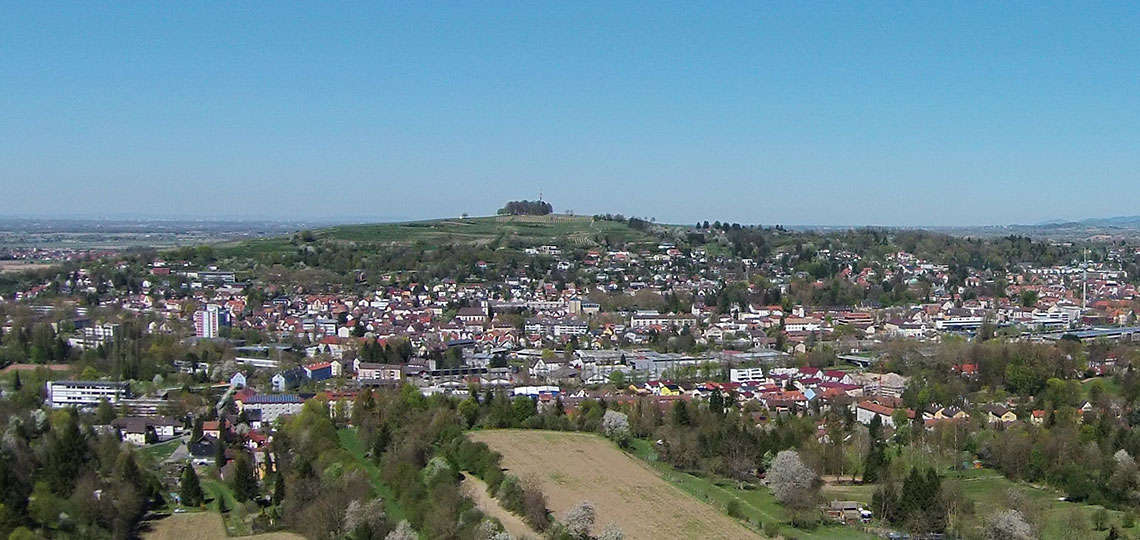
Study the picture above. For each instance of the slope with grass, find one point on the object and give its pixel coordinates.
(573, 467)
(529, 230)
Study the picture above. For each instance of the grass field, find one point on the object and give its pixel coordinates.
(202, 526)
(159, 452)
(1110, 386)
(219, 496)
(572, 467)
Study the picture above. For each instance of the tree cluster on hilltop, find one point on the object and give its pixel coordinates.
(526, 208)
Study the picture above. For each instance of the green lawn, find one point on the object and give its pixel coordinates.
(756, 505)
(158, 453)
(219, 495)
(988, 489)
(1110, 386)
(236, 516)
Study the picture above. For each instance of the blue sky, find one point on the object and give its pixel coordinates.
(795, 113)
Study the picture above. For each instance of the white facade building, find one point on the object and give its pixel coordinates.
(63, 394)
(664, 321)
(741, 375)
(207, 321)
(273, 406)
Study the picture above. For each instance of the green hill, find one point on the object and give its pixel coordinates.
(565, 231)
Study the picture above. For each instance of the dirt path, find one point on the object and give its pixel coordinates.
(477, 490)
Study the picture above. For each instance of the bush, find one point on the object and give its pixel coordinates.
(1101, 519)
(510, 494)
(494, 479)
(534, 508)
(771, 529)
(733, 508)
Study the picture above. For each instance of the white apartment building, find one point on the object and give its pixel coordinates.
(556, 327)
(207, 321)
(649, 320)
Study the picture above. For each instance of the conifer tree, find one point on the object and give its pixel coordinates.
(190, 489)
(245, 478)
(67, 456)
(279, 489)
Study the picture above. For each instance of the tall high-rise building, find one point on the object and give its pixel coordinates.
(207, 321)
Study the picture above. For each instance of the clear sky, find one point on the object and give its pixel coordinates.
(910, 113)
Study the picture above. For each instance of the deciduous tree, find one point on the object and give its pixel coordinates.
(580, 520)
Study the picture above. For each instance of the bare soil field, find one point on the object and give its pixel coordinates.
(23, 266)
(572, 467)
(203, 526)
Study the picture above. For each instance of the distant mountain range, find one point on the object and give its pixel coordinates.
(1129, 222)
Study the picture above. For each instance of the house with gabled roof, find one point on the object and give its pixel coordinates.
(998, 414)
(288, 379)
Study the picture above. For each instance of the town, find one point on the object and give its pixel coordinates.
(857, 359)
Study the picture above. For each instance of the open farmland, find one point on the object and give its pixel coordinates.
(203, 526)
(572, 467)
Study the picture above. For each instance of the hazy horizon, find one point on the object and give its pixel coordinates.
(818, 114)
(365, 220)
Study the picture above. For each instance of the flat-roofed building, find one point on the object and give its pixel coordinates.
(63, 394)
(273, 406)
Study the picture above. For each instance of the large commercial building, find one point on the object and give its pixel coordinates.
(63, 394)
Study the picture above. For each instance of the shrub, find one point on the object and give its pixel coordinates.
(534, 507)
(733, 508)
